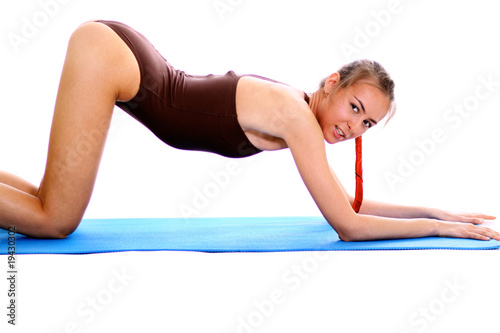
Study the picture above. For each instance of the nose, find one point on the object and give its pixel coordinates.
(355, 126)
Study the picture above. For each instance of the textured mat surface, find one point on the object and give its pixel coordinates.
(251, 234)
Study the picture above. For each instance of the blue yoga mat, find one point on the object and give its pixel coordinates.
(251, 234)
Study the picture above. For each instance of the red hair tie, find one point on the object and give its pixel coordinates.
(358, 198)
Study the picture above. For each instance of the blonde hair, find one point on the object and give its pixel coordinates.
(371, 72)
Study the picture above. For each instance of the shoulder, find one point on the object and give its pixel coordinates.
(270, 106)
(258, 86)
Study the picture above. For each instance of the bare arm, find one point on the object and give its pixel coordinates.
(370, 207)
(305, 140)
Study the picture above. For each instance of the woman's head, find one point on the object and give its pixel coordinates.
(369, 71)
(353, 99)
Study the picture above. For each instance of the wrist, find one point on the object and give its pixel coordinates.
(434, 213)
(439, 228)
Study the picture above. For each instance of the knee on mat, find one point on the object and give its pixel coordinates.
(60, 228)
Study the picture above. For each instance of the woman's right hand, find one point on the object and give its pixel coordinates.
(466, 230)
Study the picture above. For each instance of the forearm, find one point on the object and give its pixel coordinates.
(369, 227)
(307, 146)
(369, 207)
(383, 209)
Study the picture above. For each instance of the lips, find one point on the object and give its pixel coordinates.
(338, 133)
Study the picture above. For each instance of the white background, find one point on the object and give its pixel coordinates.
(437, 53)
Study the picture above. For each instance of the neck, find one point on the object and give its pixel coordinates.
(315, 99)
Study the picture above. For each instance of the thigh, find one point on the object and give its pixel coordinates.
(99, 69)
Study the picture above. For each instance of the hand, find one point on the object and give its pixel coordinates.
(474, 218)
(466, 230)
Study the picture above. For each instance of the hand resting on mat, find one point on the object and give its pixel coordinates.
(446, 224)
(110, 64)
(465, 225)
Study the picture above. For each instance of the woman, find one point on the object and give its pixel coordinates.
(109, 63)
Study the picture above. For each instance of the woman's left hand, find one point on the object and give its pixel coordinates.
(475, 218)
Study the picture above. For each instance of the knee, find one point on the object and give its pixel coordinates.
(59, 228)
(67, 227)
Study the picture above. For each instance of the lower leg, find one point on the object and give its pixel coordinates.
(19, 201)
(99, 69)
(17, 205)
(17, 182)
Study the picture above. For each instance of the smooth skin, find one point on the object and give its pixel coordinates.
(100, 69)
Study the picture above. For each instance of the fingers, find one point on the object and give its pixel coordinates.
(462, 230)
(480, 216)
(474, 218)
(482, 233)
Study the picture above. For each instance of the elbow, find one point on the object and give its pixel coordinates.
(351, 232)
(345, 234)
(347, 237)
(350, 237)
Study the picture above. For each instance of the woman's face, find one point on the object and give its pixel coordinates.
(350, 112)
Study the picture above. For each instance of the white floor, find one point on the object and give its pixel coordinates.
(365, 291)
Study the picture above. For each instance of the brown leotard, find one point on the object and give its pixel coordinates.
(185, 111)
(193, 112)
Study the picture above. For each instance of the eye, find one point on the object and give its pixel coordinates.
(367, 124)
(354, 108)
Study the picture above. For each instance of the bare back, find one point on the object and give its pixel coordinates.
(262, 109)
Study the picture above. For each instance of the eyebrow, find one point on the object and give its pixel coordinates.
(364, 111)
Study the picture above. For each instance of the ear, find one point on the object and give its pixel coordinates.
(331, 82)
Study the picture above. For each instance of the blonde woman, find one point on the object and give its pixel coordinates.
(109, 63)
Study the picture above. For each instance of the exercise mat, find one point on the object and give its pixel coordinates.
(238, 234)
